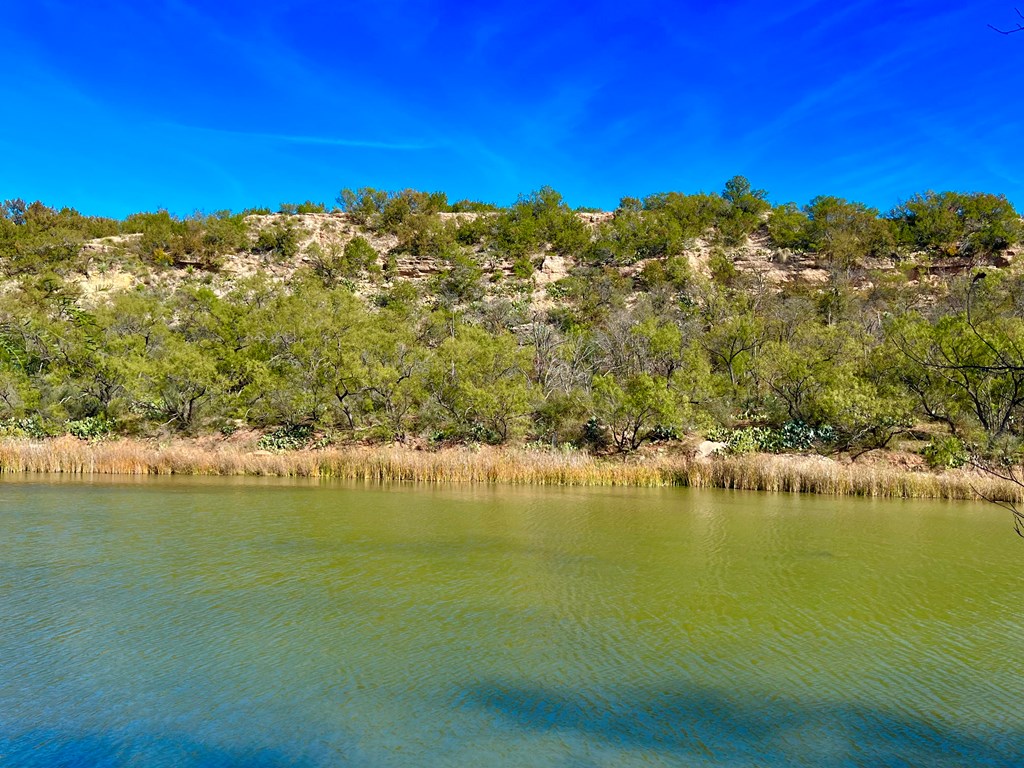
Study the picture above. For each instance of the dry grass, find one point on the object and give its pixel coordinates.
(809, 474)
(757, 472)
(381, 463)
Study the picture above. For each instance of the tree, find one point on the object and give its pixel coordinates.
(14, 211)
(746, 206)
(304, 359)
(820, 377)
(630, 409)
(395, 367)
(957, 224)
(176, 382)
(1018, 28)
(732, 343)
(844, 231)
(480, 386)
(968, 373)
(787, 226)
(333, 262)
(362, 204)
(967, 370)
(693, 215)
(535, 220)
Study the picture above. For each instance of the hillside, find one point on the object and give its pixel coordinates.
(112, 263)
(398, 316)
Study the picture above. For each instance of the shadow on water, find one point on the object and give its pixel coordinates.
(58, 749)
(721, 728)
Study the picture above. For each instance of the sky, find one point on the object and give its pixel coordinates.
(117, 107)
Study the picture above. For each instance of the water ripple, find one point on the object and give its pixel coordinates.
(220, 624)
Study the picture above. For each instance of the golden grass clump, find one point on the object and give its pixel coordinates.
(525, 466)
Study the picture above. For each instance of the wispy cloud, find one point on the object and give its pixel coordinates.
(323, 141)
(333, 141)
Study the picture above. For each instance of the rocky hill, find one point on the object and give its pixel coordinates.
(113, 263)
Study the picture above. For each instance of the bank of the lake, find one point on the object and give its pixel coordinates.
(790, 473)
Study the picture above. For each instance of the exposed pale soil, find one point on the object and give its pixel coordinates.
(771, 267)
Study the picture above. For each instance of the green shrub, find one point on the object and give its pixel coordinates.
(31, 426)
(89, 428)
(199, 240)
(946, 453)
(473, 231)
(288, 438)
(280, 240)
(360, 257)
(307, 207)
(523, 267)
(787, 226)
(663, 434)
(723, 270)
(472, 206)
(791, 436)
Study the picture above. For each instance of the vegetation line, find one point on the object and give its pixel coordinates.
(485, 464)
(400, 317)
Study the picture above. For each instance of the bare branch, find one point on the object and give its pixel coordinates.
(1018, 28)
(1007, 474)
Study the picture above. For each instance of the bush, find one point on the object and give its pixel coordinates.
(425, 235)
(89, 428)
(523, 267)
(787, 226)
(289, 438)
(595, 435)
(280, 240)
(473, 231)
(663, 434)
(946, 453)
(723, 270)
(956, 224)
(536, 220)
(791, 436)
(387, 211)
(307, 207)
(199, 240)
(557, 418)
(459, 281)
(360, 257)
(472, 206)
(28, 427)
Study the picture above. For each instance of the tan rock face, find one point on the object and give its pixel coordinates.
(813, 275)
(771, 267)
(553, 268)
(95, 285)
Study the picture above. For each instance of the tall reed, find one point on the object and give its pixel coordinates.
(396, 463)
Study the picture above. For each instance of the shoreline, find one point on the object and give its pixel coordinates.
(774, 473)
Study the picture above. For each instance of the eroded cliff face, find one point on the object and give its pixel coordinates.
(113, 265)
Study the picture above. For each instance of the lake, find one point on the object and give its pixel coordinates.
(205, 622)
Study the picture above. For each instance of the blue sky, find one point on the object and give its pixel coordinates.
(115, 107)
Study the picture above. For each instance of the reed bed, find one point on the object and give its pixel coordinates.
(395, 463)
(809, 474)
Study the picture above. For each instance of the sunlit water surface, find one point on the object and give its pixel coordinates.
(232, 623)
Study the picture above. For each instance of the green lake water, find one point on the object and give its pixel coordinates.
(230, 623)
